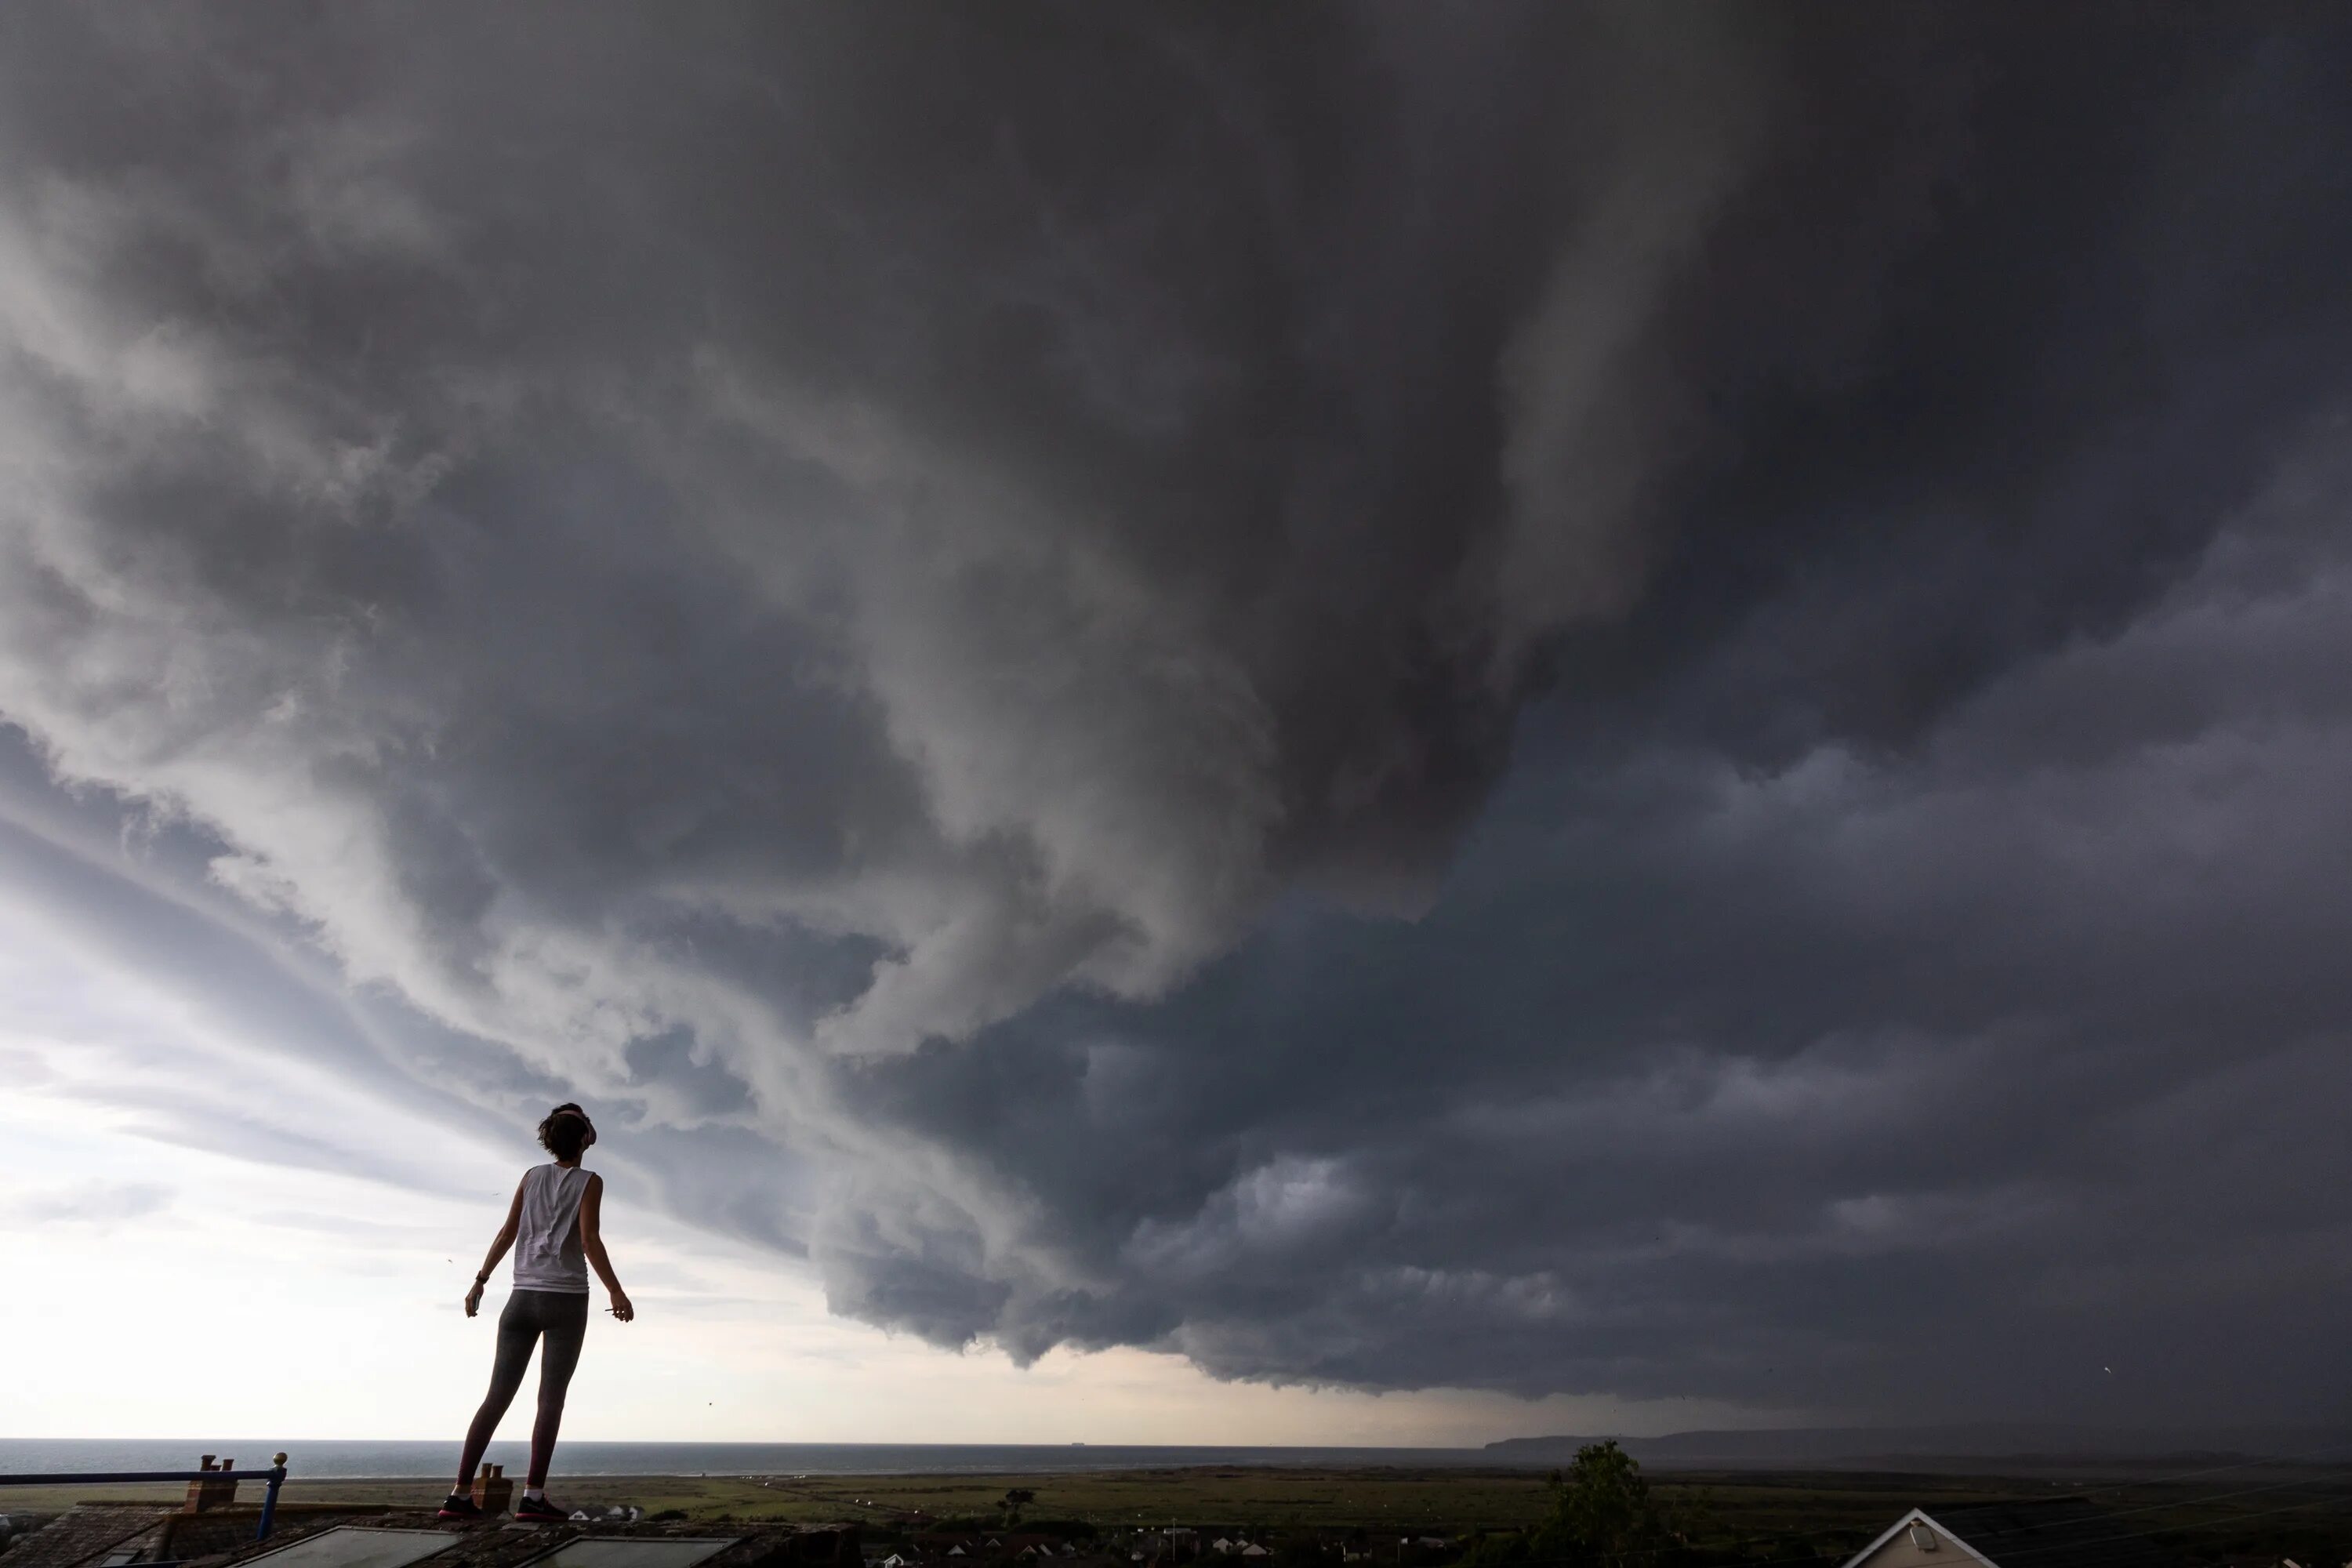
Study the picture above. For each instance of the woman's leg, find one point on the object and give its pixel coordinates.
(567, 1327)
(518, 1330)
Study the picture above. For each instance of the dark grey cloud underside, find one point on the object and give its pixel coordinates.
(1813, 499)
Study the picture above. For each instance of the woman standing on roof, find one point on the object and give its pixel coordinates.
(552, 1226)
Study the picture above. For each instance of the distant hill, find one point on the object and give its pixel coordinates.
(2015, 1444)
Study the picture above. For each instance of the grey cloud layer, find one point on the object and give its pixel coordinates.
(923, 610)
(1915, 1084)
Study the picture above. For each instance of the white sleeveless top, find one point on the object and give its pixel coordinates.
(546, 1240)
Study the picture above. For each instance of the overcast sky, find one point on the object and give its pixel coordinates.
(1209, 722)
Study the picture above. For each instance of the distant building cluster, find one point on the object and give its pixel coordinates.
(1164, 1547)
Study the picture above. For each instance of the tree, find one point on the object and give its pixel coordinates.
(1601, 1517)
(1602, 1509)
(1015, 1500)
(1298, 1549)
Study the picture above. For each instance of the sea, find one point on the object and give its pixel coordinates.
(349, 1459)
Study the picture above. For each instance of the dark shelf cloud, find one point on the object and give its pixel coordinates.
(1594, 700)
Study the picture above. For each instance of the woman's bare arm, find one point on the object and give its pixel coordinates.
(592, 1244)
(498, 1245)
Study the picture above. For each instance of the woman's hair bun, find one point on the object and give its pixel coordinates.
(566, 1131)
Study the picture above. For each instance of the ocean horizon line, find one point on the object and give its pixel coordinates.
(360, 1459)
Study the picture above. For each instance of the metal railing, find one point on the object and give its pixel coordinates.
(273, 1477)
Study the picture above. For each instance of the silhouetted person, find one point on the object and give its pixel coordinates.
(552, 1226)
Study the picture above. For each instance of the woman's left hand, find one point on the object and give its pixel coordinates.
(473, 1299)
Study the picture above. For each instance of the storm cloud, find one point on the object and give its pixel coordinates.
(1607, 700)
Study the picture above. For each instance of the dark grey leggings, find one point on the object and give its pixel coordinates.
(563, 1319)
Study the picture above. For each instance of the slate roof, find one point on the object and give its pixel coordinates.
(2054, 1532)
(83, 1534)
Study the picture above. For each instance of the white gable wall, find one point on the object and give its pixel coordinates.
(1895, 1549)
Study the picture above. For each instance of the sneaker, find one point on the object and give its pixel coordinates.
(460, 1505)
(537, 1508)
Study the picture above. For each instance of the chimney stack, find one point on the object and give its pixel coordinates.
(204, 1496)
(492, 1491)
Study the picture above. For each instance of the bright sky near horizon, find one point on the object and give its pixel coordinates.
(133, 1233)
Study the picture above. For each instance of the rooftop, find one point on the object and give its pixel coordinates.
(111, 1536)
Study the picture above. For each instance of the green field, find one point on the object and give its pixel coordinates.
(1754, 1516)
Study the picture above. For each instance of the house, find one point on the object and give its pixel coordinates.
(2054, 1532)
(128, 1536)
